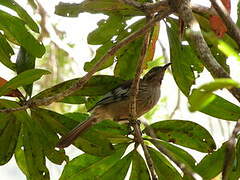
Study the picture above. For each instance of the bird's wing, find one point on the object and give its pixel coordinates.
(117, 94)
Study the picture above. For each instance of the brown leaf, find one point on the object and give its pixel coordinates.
(13, 93)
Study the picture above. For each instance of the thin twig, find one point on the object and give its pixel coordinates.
(186, 170)
(78, 85)
(182, 7)
(229, 156)
(133, 109)
(232, 28)
(177, 104)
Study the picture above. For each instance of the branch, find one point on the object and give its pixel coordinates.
(78, 85)
(182, 7)
(230, 152)
(233, 30)
(186, 170)
(133, 109)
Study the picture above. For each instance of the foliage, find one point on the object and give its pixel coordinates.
(31, 136)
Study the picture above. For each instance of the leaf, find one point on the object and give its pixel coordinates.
(221, 108)
(184, 61)
(127, 56)
(119, 170)
(235, 171)
(97, 85)
(95, 6)
(139, 168)
(14, 28)
(178, 153)
(12, 93)
(212, 164)
(24, 78)
(47, 137)
(216, 22)
(10, 125)
(25, 61)
(30, 156)
(184, 133)
(87, 166)
(74, 100)
(21, 12)
(89, 142)
(6, 52)
(163, 167)
(203, 96)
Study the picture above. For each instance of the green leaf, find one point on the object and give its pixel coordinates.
(219, 84)
(24, 78)
(106, 29)
(10, 125)
(6, 52)
(221, 108)
(139, 168)
(203, 96)
(163, 167)
(74, 100)
(89, 141)
(32, 153)
(14, 28)
(21, 12)
(87, 166)
(180, 154)
(184, 61)
(25, 61)
(95, 6)
(119, 170)
(99, 53)
(128, 56)
(184, 133)
(235, 171)
(212, 164)
(97, 85)
(48, 137)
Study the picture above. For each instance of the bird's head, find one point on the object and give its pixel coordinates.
(156, 74)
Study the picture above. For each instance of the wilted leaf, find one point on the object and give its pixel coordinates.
(185, 133)
(24, 78)
(12, 93)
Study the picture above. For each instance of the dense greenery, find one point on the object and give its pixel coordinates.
(31, 136)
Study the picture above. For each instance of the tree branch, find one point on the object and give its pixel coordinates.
(48, 100)
(133, 109)
(186, 170)
(229, 156)
(232, 28)
(182, 7)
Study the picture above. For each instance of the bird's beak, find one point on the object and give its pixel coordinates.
(166, 66)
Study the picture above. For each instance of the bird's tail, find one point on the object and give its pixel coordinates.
(66, 140)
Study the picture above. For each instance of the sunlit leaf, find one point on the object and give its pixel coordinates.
(185, 133)
(15, 30)
(24, 78)
(96, 6)
(21, 12)
(87, 166)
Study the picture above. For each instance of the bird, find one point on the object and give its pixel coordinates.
(115, 104)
